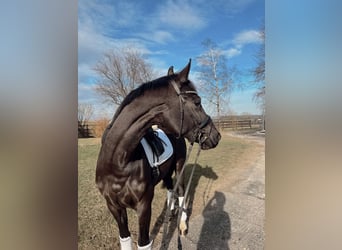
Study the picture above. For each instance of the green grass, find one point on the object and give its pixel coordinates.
(97, 229)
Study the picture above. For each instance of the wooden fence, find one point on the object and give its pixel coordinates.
(234, 124)
(237, 124)
(89, 129)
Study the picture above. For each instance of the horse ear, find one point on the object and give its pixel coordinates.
(170, 71)
(184, 74)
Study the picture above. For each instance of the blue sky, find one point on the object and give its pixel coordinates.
(169, 33)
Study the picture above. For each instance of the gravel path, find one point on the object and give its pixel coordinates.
(234, 217)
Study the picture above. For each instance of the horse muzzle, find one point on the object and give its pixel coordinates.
(208, 136)
(209, 142)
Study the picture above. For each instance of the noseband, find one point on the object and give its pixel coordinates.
(181, 103)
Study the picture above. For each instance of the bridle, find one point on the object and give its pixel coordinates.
(180, 95)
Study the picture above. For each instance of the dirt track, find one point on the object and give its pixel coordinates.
(233, 218)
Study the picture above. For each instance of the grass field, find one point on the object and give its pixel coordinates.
(97, 228)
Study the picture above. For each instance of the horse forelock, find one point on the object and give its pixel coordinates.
(191, 85)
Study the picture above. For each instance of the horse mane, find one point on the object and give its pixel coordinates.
(139, 91)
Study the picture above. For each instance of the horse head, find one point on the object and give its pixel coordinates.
(194, 123)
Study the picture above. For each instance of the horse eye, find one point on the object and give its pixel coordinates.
(198, 102)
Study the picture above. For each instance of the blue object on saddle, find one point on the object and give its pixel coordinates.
(153, 159)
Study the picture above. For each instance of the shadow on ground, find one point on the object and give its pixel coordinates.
(215, 231)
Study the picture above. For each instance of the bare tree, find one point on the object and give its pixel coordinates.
(85, 112)
(259, 71)
(259, 75)
(216, 78)
(120, 71)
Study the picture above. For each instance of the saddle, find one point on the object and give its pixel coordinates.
(158, 149)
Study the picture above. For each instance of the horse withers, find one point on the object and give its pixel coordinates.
(123, 174)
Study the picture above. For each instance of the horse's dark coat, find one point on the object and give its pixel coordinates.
(123, 174)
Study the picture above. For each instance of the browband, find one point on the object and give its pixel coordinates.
(174, 84)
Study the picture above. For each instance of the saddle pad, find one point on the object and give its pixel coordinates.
(168, 149)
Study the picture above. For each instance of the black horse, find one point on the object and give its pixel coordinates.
(123, 174)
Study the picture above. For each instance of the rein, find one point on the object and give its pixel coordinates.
(167, 214)
(200, 141)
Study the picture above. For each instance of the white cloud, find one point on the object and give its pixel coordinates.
(91, 45)
(85, 71)
(232, 52)
(106, 15)
(162, 36)
(230, 7)
(96, 35)
(180, 15)
(85, 87)
(240, 40)
(247, 37)
(158, 36)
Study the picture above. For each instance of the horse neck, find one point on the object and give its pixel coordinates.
(130, 126)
